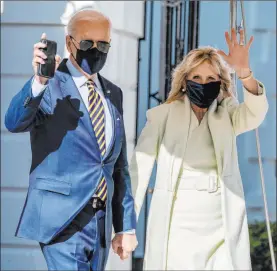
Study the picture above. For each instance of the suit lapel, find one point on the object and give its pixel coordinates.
(70, 91)
(112, 112)
(107, 94)
(179, 118)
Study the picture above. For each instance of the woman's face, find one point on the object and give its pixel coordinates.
(203, 74)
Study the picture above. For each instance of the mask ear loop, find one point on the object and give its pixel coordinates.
(71, 38)
(73, 42)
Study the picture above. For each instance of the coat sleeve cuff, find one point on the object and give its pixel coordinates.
(256, 103)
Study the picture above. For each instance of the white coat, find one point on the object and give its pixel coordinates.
(163, 139)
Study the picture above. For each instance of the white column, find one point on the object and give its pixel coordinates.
(2, 6)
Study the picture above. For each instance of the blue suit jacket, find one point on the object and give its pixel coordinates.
(66, 162)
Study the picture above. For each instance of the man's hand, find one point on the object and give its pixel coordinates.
(39, 58)
(124, 244)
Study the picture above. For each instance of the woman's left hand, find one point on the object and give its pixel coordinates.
(238, 57)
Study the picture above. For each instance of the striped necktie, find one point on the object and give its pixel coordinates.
(97, 116)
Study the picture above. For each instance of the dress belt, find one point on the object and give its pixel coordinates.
(208, 183)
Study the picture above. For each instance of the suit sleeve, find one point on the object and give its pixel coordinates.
(26, 111)
(124, 217)
(249, 114)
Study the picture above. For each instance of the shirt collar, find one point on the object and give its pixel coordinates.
(78, 77)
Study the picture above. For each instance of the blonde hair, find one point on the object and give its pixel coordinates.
(193, 59)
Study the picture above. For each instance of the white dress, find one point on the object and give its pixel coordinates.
(196, 238)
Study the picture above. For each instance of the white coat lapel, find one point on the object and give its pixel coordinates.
(179, 118)
(221, 132)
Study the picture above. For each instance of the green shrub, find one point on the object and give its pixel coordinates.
(260, 253)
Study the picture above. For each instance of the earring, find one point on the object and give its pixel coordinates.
(183, 90)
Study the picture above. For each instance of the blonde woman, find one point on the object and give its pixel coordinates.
(197, 218)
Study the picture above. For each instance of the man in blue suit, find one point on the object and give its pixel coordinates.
(79, 183)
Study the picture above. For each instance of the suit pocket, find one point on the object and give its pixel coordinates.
(53, 186)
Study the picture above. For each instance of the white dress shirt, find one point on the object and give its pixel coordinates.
(80, 82)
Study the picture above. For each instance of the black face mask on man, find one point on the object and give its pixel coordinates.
(90, 61)
(202, 95)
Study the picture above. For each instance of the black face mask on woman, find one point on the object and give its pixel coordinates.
(202, 95)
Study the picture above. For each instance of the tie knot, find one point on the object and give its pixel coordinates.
(91, 84)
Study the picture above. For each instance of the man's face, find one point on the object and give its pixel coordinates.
(87, 29)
